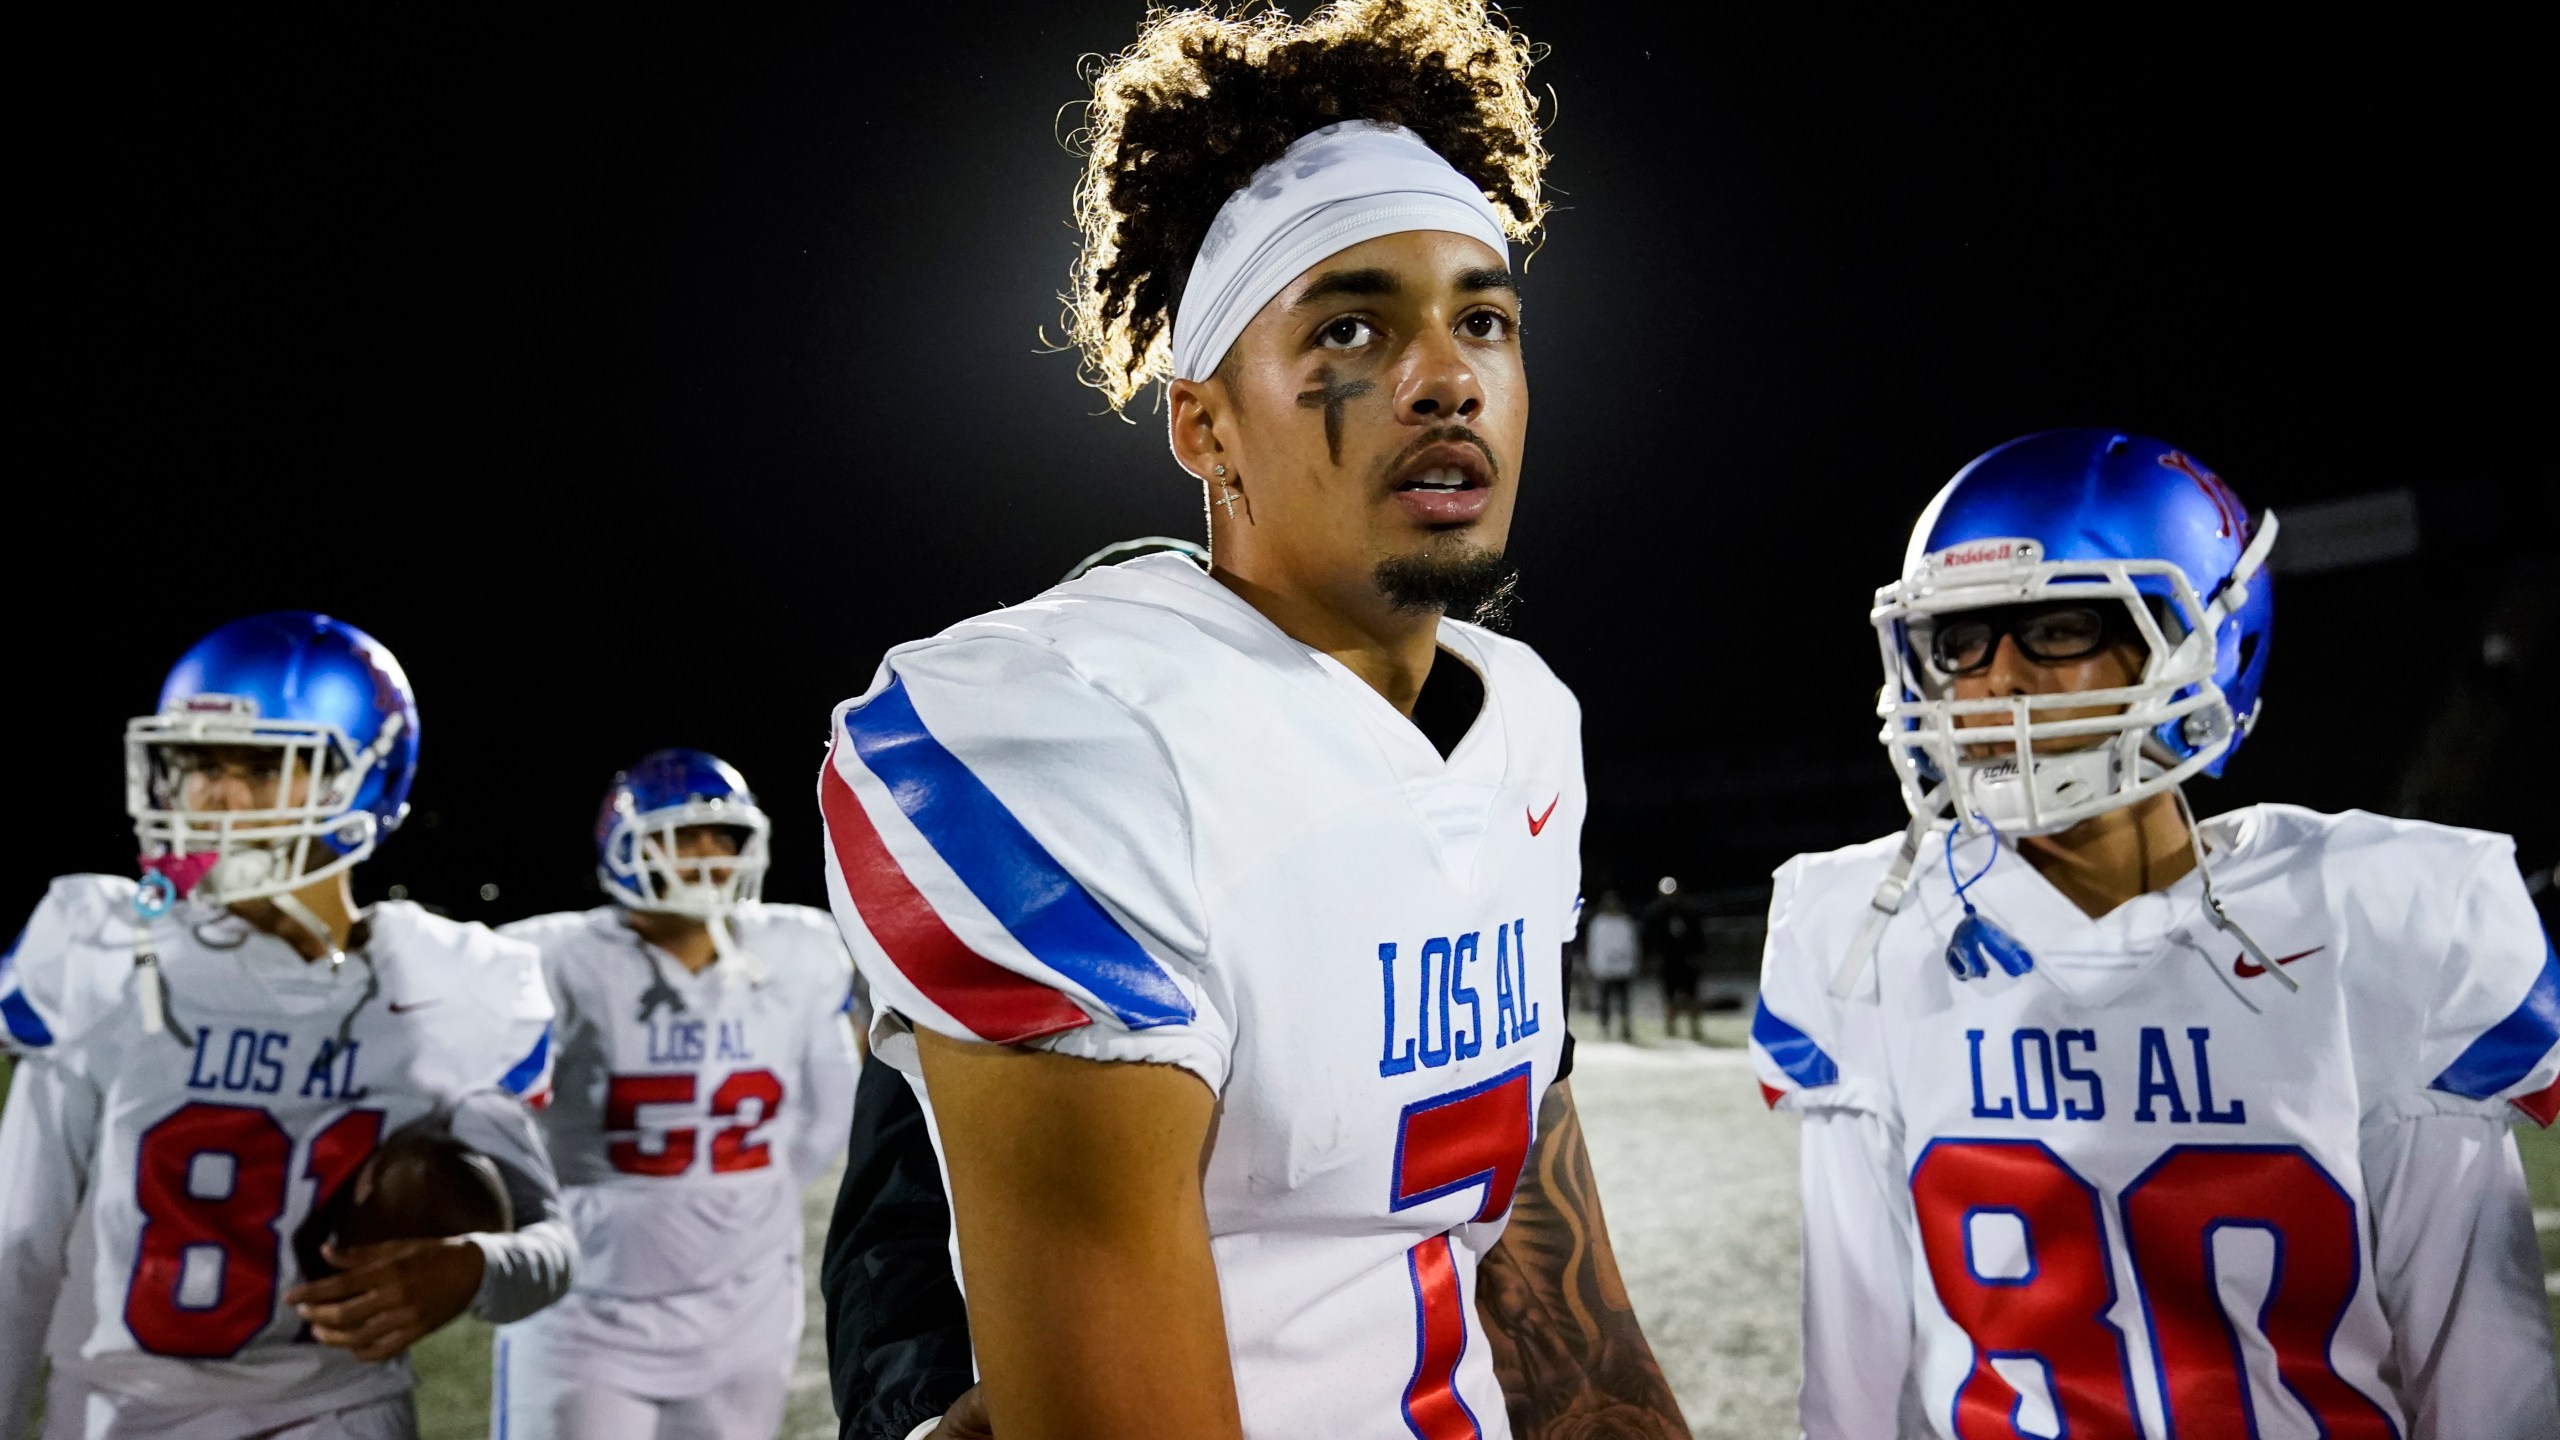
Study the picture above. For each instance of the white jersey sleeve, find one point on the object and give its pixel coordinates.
(2461, 1276)
(1803, 1048)
(2456, 1261)
(47, 998)
(829, 1063)
(531, 1265)
(49, 1131)
(48, 1136)
(2491, 1033)
(484, 1000)
(1009, 855)
(830, 1067)
(489, 1015)
(1856, 1299)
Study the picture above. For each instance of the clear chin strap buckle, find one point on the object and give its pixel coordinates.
(154, 897)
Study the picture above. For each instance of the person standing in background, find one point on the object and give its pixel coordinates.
(1609, 949)
(1674, 938)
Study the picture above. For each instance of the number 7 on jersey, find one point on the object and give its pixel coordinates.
(1478, 1135)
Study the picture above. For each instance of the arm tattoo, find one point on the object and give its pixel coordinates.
(1564, 1338)
(1330, 396)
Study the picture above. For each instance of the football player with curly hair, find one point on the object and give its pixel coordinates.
(1217, 914)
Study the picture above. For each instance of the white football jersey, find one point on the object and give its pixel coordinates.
(179, 1172)
(2145, 1190)
(689, 1110)
(1133, 820)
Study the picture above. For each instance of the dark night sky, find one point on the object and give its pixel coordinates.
(639, 381)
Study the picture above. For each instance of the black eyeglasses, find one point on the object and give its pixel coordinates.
(1963, 644)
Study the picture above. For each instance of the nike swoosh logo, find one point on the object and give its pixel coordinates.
(2248, 969)
(398, 1008)
(1539, 822)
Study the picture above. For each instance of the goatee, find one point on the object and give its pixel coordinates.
(1471, 584)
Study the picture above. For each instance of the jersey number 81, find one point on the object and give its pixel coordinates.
(210, 1181)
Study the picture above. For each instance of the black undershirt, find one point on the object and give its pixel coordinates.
(1452, 696)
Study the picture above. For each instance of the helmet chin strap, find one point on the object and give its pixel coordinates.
(2227, 598)
(300, 914)
(724, 946)
(1852, 972)
(372, 988)
(743, 963)
(2234, 591)
(2213, 911)
(157, 895)
(1854, 963)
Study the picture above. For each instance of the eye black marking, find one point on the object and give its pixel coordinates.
(1330, 396)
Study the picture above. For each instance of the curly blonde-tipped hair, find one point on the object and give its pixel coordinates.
(1183, 118)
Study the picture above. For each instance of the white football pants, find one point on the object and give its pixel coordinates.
(551, 1380)
(555, 1406)
(73, 1412)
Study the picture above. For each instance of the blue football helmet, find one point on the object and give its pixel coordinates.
(2069, 515)
(312, 706)
(637, 859)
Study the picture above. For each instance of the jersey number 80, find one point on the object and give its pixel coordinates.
(2053, 1315)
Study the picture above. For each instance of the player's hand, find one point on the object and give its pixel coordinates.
(965, 1420)
(388, 1297)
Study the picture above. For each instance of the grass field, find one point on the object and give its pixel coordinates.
(1699, 1182)
(453, 1365)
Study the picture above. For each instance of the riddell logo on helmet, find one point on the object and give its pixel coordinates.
(1984, 552)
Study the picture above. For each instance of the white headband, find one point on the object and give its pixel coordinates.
(1329, 191)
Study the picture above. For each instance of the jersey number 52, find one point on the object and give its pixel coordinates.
(749, 1099)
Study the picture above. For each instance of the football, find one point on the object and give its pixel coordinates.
(420, 1184)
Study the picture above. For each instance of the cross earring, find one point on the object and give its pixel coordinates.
(1227, 502)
